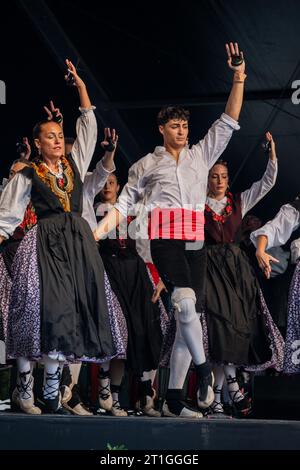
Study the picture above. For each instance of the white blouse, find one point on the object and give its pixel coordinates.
(93, 183)
(279, 230)
(253, 195)
(16, 194)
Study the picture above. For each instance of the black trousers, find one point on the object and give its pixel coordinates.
(180, 266)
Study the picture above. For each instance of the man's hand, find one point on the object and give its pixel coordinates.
(159, 288)
(54, 114)
(233, 50)
(272, 153)
(264, 262)
(2, 239)
(78, 82)
(26, 154)
(235, 100)
(109, 144)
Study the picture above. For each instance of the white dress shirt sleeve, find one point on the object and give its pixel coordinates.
(279, 230)
(95, 181)
(13, 202)
(132, 192)
(84, 145)
(259, 189)
(216, 140)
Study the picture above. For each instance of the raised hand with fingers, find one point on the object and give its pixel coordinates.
(272, 148)
(110, 141)
(54, 113)
(27, 153)
(235, 57)
(235, 61)
(72, 77)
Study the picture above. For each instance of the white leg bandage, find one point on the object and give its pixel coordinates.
(188, 324)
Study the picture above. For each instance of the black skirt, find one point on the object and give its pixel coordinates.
(73, 306)
(130, 281)
(236, 329)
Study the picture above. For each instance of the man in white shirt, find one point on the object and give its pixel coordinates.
(172, 182)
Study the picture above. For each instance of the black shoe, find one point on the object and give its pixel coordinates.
(241, 406)
(74, 405)
(146, 403)
(52, 406)
(61, 410)
(175, 406)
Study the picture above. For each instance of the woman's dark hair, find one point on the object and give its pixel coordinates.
(98, 196)
(38, 127)
(172, 112)
(219, 162)
(36, 134)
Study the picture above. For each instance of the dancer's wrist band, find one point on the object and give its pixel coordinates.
(239, 77)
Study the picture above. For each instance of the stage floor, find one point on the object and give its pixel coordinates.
(20, 431)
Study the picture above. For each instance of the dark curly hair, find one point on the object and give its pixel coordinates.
(172, 112)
